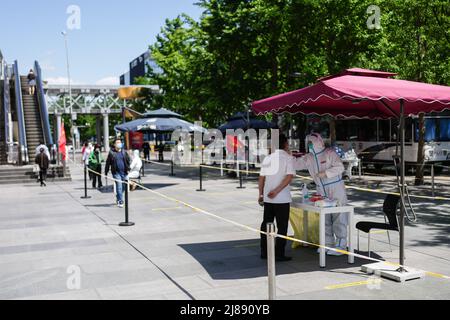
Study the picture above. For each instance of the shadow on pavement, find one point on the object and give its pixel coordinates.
(241, 260)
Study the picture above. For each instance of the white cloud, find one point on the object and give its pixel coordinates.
(60, 81)
(108, 81)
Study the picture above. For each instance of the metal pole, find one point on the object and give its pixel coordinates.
(69, 81)
(85, 182)
(127, 222)
(221, 168)
(432, 181)
(271, 260)
(201, 179)
(172, 174)
(238, 172)
(402, 186)
(240, 182)
(360, 168)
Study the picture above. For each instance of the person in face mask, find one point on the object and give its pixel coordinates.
(95, 164)
(326, 168)
(119, 163)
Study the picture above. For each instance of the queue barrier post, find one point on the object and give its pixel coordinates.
(85, 183)
(241, 186)
(238, 169)
(172, 174)
(127, 222)
(271, 260)
(433, 190)
(201, 179)
(360, 168)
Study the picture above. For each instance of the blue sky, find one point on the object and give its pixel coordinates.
(112, 34)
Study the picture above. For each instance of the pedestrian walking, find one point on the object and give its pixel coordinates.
(277, 172)
(42, 146)
(146, 149)
(95, 164)
(119, 163)
(160, 148)
(43, 162)
(31, 82)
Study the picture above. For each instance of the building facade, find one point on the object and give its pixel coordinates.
(139, 67)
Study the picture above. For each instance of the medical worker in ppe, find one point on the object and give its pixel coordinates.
(326, 168)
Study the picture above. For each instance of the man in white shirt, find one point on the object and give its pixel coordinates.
(42, 146)
(276, 175)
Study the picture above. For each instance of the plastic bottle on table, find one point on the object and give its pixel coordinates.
(305, 194)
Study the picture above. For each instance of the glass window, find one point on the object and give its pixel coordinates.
(394, 130)
(444, 129)
(384, 131)
(430, 130)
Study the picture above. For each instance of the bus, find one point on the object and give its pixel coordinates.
(375, 141)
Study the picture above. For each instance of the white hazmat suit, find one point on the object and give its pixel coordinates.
(135, 166)
(326, 168)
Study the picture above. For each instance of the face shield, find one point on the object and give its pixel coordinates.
(314, 143)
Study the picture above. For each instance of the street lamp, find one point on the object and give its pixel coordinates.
(64, 34)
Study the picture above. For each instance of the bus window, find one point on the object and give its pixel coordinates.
(394, 130)
(409, 128)
(430, 130)
(367, 128)
(444, 129)
(384, 130)
(341, 130)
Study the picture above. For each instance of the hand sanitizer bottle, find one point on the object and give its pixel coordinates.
(305, 193)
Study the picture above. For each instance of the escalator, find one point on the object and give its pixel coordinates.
(32, 117)
(33, 127)
(34, 132)
(24, 124)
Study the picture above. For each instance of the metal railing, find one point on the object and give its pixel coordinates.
(42, 105)
(23, 149)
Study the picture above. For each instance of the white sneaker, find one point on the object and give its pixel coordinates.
(335, 253)
(341, 244)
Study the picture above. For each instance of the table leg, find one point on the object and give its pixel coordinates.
(305, 227)
(322, 241)
(351, 258)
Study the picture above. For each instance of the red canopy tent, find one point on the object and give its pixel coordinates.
(361, 93)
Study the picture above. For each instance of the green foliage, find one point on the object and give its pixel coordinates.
(241, 51)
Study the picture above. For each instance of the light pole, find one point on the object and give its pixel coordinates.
(64, 34)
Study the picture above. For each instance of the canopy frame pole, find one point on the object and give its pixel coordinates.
(402, 186)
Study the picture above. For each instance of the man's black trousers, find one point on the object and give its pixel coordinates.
(280, 213)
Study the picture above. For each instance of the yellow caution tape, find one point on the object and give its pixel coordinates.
(196, 209)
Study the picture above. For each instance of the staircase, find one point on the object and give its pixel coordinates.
(24, 175)
(33, 123)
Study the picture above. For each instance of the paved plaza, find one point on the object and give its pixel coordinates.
(48, 235)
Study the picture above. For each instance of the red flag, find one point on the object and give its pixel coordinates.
(62, 142)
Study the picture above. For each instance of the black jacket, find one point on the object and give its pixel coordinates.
(42, 161)
(111, 162)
